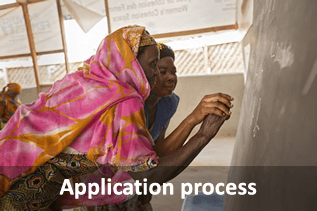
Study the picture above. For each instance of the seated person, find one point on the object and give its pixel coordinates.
(9, 102)
(162, 103)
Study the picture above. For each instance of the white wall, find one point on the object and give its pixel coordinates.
(191, 89)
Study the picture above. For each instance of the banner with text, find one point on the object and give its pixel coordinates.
(167, 16)
(45, 28)
(13, 36)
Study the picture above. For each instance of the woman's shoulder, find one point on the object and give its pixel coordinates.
(175, 98)
(169, 104)
(171, 100)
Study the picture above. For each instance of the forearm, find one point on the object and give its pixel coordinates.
(176, 139)
(184, 156)
(171, 165)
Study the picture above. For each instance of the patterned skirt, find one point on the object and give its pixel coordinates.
(40, 189)
(134, 204)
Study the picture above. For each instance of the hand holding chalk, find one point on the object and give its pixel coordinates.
(218, 104)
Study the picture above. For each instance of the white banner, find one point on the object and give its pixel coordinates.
(45, 27)
(13, 36)
(166, 16)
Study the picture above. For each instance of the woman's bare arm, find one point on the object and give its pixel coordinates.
(171, 165)
(217, 104)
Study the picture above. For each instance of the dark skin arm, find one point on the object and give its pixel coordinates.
(162, 134)
(176, 140)
(171, 165)
(217, 104)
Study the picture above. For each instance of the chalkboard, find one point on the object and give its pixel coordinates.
(276, 141)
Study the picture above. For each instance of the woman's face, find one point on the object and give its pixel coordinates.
(167, 80)
(148, 59)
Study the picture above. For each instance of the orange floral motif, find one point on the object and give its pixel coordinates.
(96, 111)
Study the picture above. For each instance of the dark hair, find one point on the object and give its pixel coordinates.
(166, 51)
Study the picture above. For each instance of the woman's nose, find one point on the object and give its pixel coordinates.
(171, 77)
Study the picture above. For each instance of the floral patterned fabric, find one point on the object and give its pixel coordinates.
(38, 190)
(133, 204)
(97, 112)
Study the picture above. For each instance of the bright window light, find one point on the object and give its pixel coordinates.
(4, 2)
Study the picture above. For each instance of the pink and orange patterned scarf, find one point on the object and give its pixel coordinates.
(97, 112)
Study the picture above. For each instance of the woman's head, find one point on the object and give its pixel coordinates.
(13, 90)
(167, 79)
(117, 59)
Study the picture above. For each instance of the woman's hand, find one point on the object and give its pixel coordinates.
(211, 125)
(218, 104)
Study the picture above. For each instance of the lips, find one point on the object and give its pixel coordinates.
(172, 87)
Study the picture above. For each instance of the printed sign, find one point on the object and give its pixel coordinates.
(166, 16)
(45, 28)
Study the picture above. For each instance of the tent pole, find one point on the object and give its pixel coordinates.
(31, 43)
(61, 23)
(108, 16)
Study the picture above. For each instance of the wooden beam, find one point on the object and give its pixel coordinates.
(61, 23)
(7, 6)
(108, 16)
(28, 54)
(196, 31)
(34, 1)
(31, 43)
(49, 52)
(46, 85)
(15, 56)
